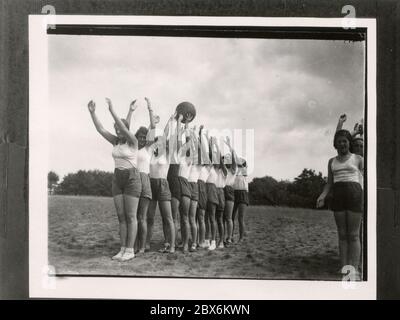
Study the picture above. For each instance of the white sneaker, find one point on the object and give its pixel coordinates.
(203, 245)
(221, 245)
(119, 255)
(206, 243)
(127, 256)
(212, 245)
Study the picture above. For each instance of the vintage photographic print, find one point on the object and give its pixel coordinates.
(201, 154)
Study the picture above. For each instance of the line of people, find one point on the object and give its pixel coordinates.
(197, 186)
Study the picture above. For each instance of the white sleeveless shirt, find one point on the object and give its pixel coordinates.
(221, 179)
(347, 171)
(194, 173)
(230, 178)
(212, 177)
(240, 182)
(143, 160)
(125, 156)
(204, 173)
(184, 166)
(159, 166)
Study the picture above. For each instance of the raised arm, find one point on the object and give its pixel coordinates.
(234, 155)
(153, 118)
(121, 126)
(327, 187)
(223, 166)
(342, 119)
(132, 108)
(99, 127)
(179, 131)
(204, 146)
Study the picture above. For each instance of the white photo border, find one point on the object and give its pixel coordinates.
(41, 285)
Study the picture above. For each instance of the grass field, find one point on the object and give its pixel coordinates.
(281, 243)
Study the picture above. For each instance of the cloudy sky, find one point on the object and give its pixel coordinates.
(290, 92)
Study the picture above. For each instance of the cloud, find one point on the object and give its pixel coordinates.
(290, 92)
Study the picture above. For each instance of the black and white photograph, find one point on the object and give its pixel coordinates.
(210, 149)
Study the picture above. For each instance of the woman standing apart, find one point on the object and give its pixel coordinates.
(344, 172)
(126, 183)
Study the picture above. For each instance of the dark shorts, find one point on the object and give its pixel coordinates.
(185, 189)
(212, 193)
(221, 199)
(347, 196)
(229, 193)
(202, 194)
(126, 181)
(173, 181)
(194, 191)
(241, 196)
(160, 189)
(146, 187)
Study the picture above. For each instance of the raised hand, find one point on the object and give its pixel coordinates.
(360, 129)
(148, 103)
(228, 141)
(91, 106)
(110, 106)
(342, 118)
(133, 105)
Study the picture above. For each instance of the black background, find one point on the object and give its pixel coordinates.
(14, 113)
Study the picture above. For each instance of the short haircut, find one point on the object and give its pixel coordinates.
(141, 131)
(342, 133)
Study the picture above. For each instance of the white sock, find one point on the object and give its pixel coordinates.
(129, 250)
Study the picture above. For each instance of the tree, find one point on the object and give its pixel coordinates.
(301, 193)
(307, 187)
(92, 182)
(52, 180)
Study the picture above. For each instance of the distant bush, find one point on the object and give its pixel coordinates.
(301, 193)
(92, 182)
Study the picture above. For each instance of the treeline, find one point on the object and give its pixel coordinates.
(302, 192)
(89, 183)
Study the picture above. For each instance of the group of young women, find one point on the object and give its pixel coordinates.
(345, 191)
(197, 186)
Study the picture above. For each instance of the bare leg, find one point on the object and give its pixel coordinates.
(184, 212)
(341, 224)
(242, 230)
(123, 229)
(175, 215)
(142, 224)
(207, 230)
(192, 222)
(131, 206)
(234, 215)
(213, 224)
(220, 223)
(166, 214)
(228, 219)
(150, 222)
(353, 238)
(202, 226)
